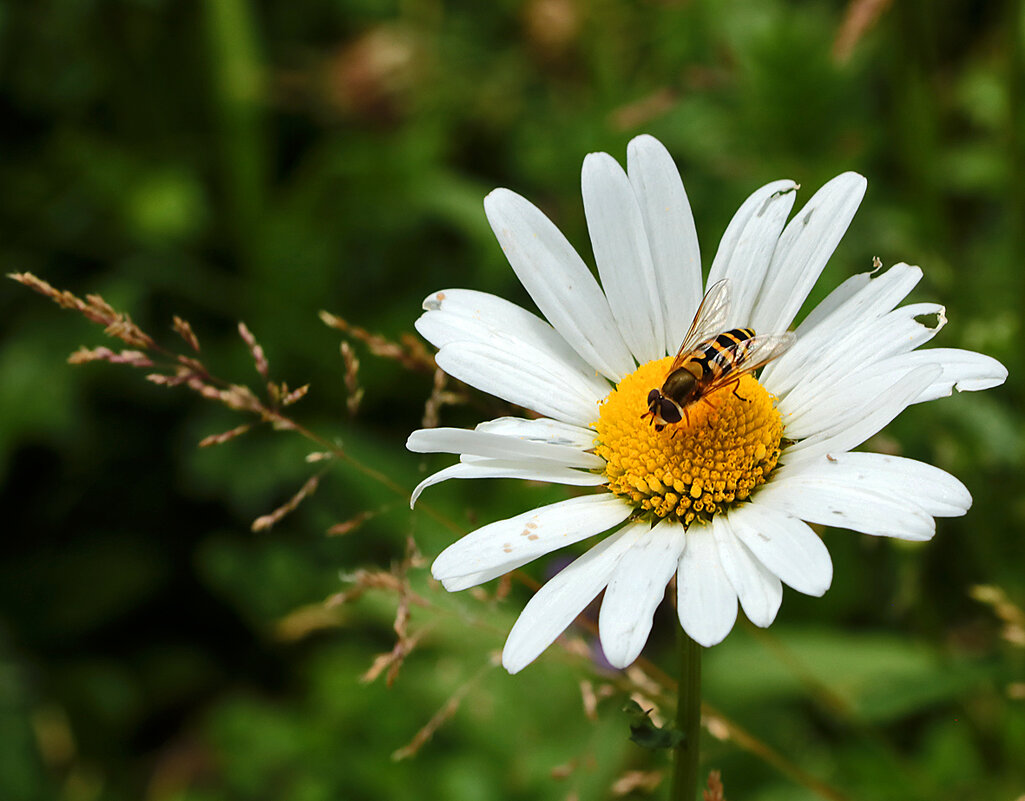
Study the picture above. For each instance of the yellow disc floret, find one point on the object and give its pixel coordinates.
(726, 446)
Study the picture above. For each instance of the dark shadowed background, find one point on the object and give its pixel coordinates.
(226, 160)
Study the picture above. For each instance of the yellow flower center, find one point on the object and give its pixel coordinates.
(727, 445)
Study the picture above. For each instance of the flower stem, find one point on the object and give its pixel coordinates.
(688, 720)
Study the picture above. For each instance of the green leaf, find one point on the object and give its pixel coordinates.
(646, 733)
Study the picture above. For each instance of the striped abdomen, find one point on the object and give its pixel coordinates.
(715, 357)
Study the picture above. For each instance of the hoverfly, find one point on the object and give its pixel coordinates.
(710, 359)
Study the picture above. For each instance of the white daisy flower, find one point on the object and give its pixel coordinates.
(724, 498)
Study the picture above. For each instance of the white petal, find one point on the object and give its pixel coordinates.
(461, 315)
(803, 250)
(705, 600)
(843, 388)
(864, 296)
(516, 373)
(621, 252)
(635, 591)
(497, 468)
(861, 347)
(760, 591)
(909, 332)
(786, 546)
(963, 370)
(672, 236)
(508, 544)
(746, 248)
(559, 282)
(833, 301)
(820, 499)
(839, 404)
(541, 430)
(460, 583)
(902, 480)
(497, 446)
(558, 602)
(837, 322)
(886, 407)
(851, 397)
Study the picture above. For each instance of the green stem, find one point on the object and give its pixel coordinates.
(239, 97)
(688, 720)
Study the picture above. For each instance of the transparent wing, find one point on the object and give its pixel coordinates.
(708, 320)
(749, 355)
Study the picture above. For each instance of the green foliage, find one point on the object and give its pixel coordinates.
(648, 734)
(229, 160)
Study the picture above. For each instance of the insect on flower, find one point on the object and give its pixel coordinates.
(710, 359)
(780, 447)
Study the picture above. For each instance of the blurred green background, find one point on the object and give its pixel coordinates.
(226, 160)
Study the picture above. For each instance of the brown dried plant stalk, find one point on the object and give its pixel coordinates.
(172, 369)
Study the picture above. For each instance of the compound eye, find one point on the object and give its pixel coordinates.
(652, 397)
(669, 412)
